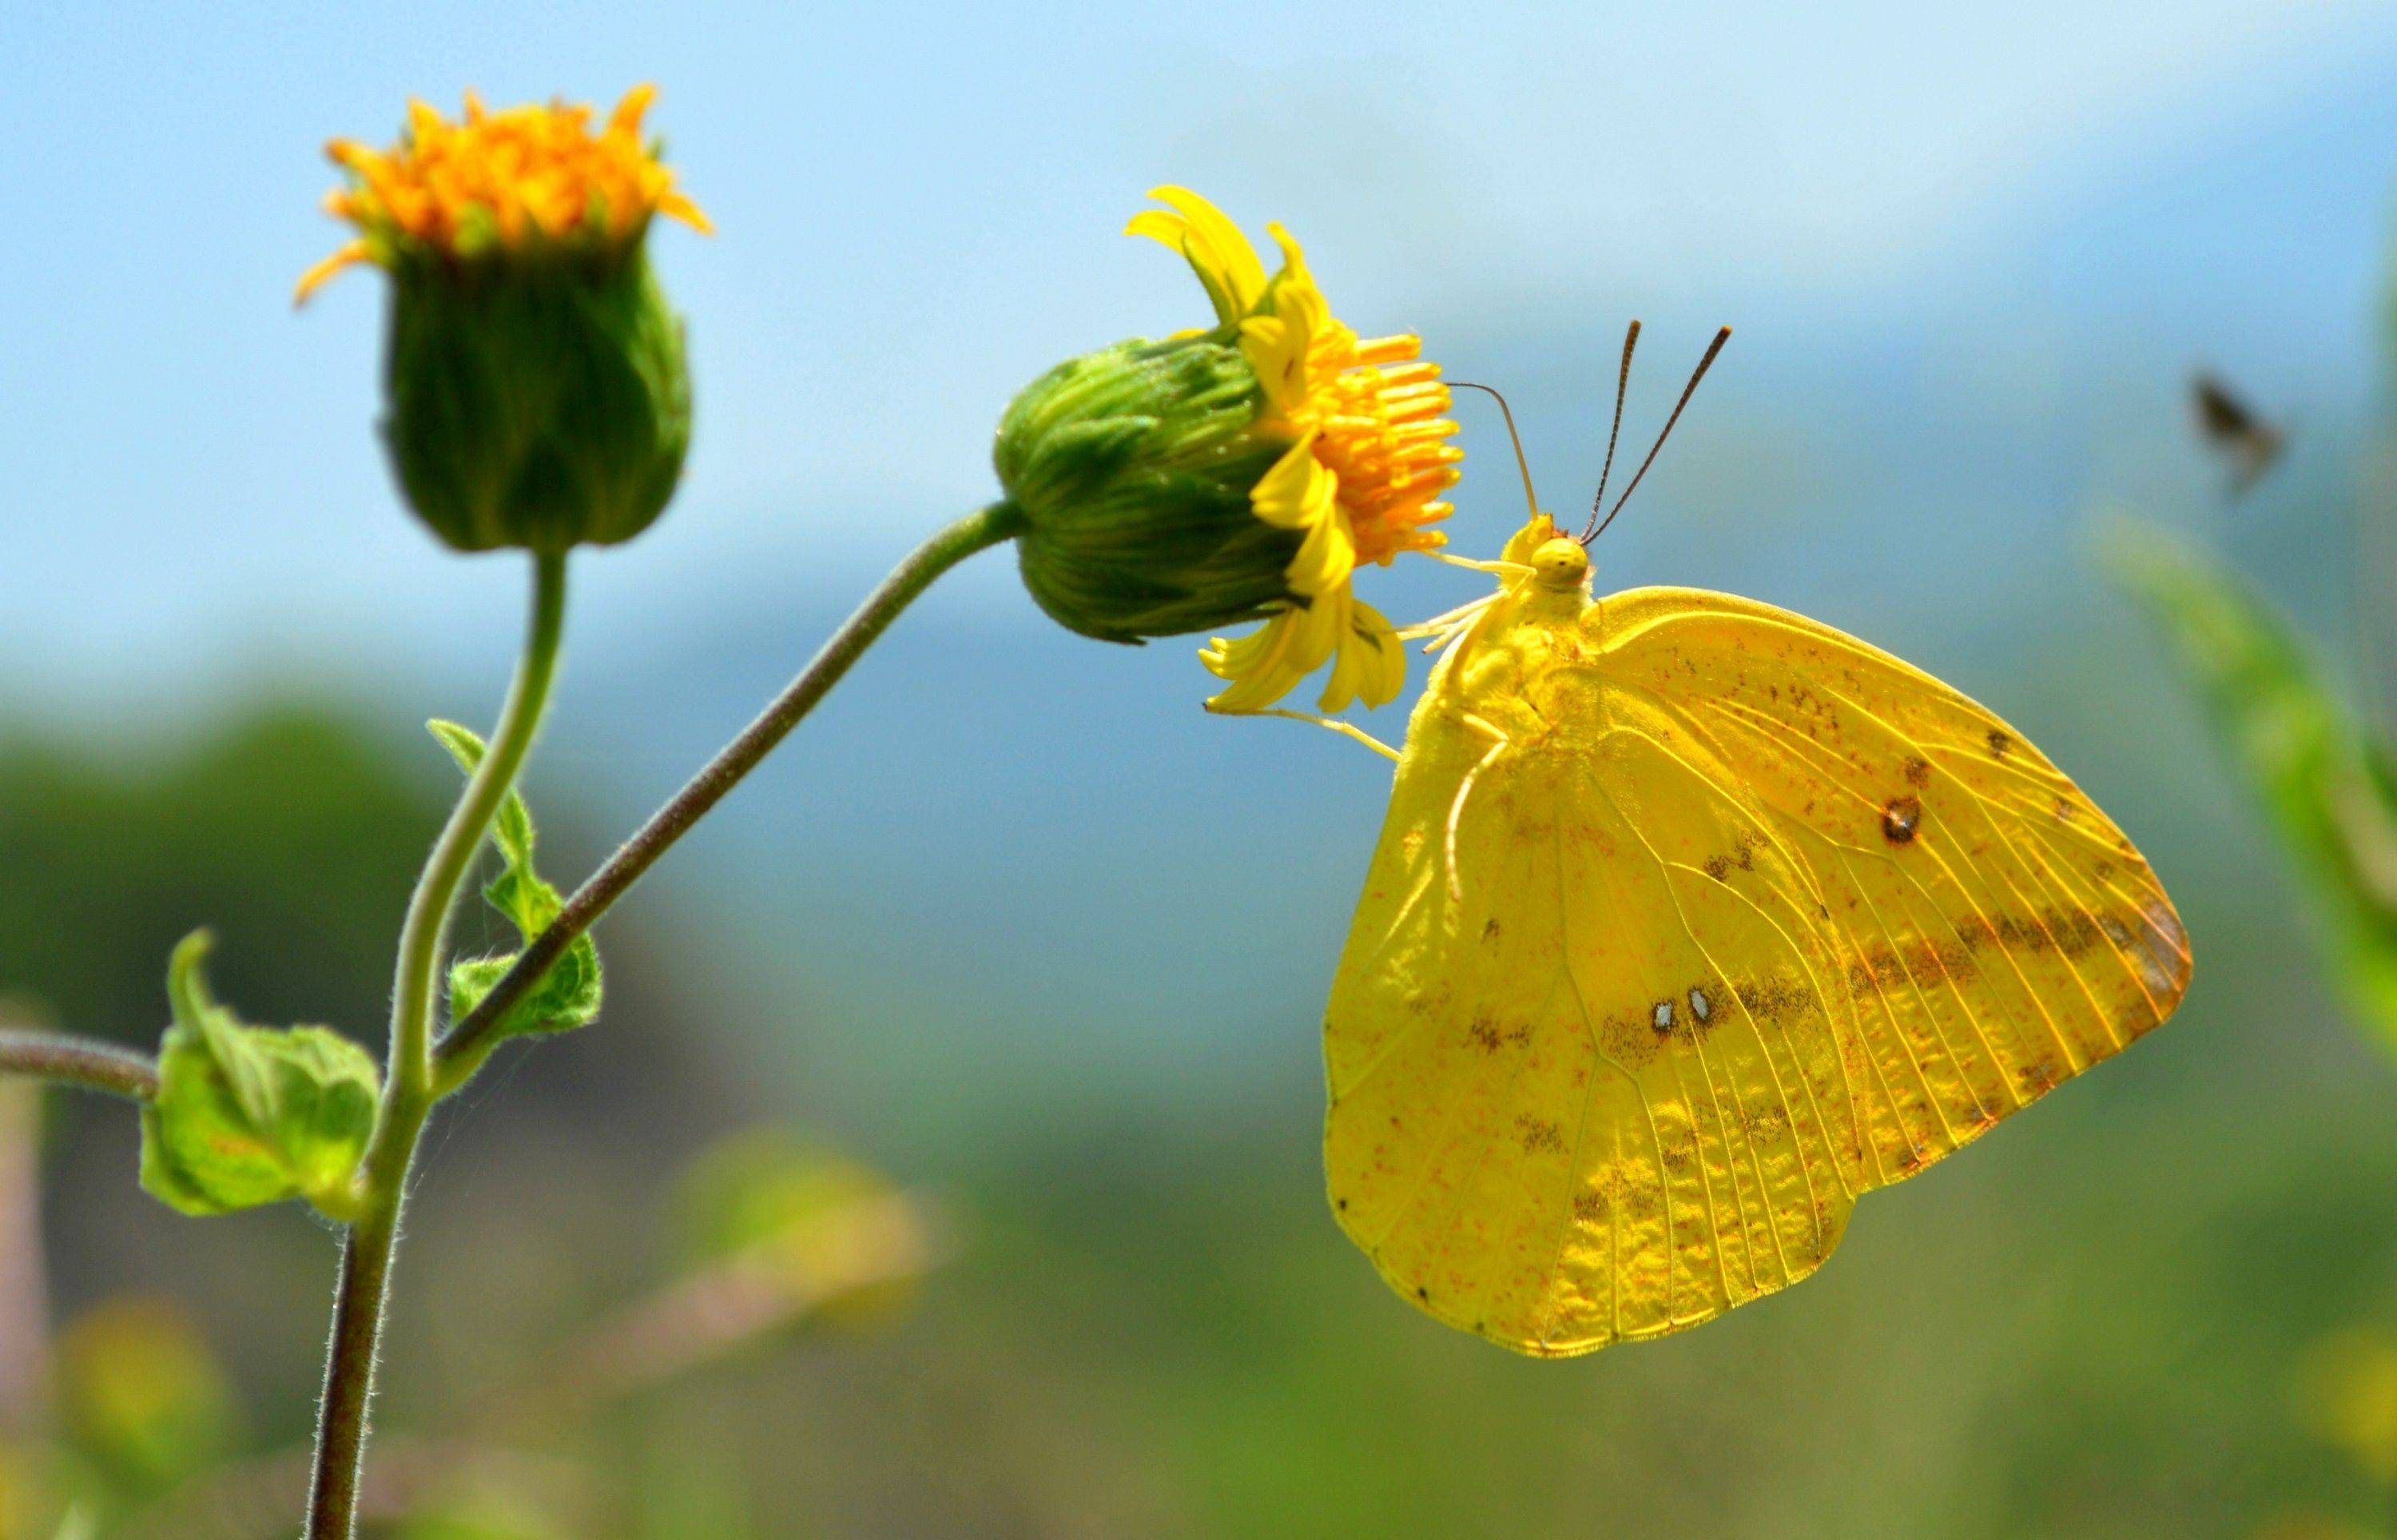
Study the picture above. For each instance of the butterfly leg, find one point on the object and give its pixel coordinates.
(1500, 743)
(1445, 629)
(1347, 730)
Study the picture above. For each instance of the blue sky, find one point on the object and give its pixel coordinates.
(918, 209)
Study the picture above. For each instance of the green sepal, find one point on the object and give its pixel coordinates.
(250, 1115)
(1133, 468)
(534, 402)
(568, 995)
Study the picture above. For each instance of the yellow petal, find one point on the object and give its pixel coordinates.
(323, 272)
(627, 118)
(1277, 350)
(1217, 252)
(1268, 664)
(1301, 492)
(674, 205)
(1368, 662)
(1325, 558)
(1296, 490)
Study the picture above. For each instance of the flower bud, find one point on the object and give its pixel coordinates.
(1133, 467)
(536, 393)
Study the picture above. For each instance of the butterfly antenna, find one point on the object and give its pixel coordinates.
(1621, 382)
(1687, 390)
(1520, 463)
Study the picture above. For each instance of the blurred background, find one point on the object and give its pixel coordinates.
(1015, 936)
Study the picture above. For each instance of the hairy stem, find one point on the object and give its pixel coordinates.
(408, 1095)
(81, 1062)
(465, 1047)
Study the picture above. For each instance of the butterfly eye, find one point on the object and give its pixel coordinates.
(1561, 564)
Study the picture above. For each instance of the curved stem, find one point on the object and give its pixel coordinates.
(81, 1062)
(407, 1089)
(463, 1049)
(436, 890)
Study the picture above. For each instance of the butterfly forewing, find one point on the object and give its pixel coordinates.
(1991, 921)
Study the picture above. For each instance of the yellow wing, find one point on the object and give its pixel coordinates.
(1693, 920)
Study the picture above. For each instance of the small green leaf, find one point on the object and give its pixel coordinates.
(512, 831)
(250, 1115)
(568, 995)
(2324, 780)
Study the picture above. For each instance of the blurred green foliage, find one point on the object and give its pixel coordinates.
(293, 834)
(143, 1395)
(2322, 778)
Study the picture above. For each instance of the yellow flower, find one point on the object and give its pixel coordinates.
(1369, 456)
(527, 179)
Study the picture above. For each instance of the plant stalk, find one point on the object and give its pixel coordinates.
(409, 1095)
(80, 1062)
(461, 1051)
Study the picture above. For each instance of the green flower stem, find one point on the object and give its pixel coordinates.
(468, 1043)
(408, 1092)
(79, 1062)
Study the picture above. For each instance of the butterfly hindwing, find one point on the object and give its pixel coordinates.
(1560, 1119)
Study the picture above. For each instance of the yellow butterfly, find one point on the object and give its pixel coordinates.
(1693, 921)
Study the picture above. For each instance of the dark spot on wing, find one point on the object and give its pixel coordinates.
(1483, 1034)
(1900, 818)
(1540, 1135)
(1878, 969)
(1917, 770)
(1774, 998)
(2001, 743)
(1928, 959)
(1628, 1040)
(1742, 856)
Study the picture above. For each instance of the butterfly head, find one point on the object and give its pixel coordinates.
(1560, 565)
(1554, 559)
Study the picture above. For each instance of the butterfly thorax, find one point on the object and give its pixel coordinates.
(1528, 667)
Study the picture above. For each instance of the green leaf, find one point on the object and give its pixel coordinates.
(568, 995)
(250, 1115)
(2322, 778)
(512, 831)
